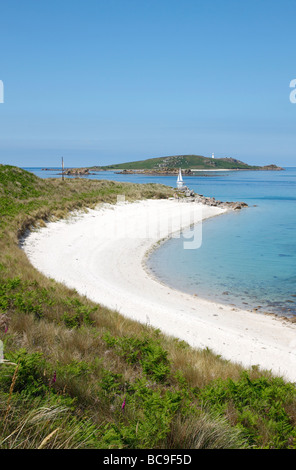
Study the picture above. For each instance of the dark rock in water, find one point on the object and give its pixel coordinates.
(238, 205)
(211, 201)
(233, 205)
(283, 255)
(225, 293)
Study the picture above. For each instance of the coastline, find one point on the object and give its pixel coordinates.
(101, 255)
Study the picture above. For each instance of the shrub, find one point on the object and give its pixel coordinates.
(145, 352)
(260, 408)
(30, 379)
(78, 314)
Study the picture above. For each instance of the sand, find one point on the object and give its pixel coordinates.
(102, 255)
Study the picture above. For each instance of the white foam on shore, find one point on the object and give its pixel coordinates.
(100, 253)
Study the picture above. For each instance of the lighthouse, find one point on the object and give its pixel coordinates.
(213, 156)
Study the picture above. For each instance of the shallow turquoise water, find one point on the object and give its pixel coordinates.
(248, 257)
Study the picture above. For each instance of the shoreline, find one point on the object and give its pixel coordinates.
(261, 310)
(101, 255)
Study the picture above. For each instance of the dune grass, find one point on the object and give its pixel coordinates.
(78, 375)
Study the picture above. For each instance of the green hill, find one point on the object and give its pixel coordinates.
(185, 162)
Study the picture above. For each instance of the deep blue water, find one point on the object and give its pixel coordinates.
(248, 257)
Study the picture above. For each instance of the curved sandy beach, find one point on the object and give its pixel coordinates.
(101, 254)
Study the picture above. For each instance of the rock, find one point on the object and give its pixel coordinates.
(237, 206)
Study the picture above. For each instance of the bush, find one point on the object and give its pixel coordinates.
(28, 377)
(145, 352)
(78, 314)
(259, 407)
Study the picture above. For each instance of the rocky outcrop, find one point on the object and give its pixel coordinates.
(76, 172)
(271, 168)
(71, 171)
(211, 201)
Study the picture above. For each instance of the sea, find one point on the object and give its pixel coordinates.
(247, 257)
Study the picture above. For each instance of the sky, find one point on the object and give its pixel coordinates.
(99, 82)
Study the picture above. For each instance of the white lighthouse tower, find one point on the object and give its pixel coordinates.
(213, 156)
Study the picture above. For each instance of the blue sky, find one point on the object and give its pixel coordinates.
(108, 81)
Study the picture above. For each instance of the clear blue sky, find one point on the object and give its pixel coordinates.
(107, 81)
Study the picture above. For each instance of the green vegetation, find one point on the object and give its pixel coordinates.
(77, 375)
(185, 162)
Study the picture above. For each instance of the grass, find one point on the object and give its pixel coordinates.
(77, 375)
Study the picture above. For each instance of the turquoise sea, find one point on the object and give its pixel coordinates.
(248, 257)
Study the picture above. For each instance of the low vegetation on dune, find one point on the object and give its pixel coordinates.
(77, 375)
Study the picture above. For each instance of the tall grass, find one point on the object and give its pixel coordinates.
(71, 364)
(44, 427)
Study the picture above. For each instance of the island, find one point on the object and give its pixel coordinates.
(169, 166)
(190, 164)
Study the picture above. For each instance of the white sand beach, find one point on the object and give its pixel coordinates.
(101, 254)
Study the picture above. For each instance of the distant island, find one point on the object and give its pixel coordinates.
(190, 164)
